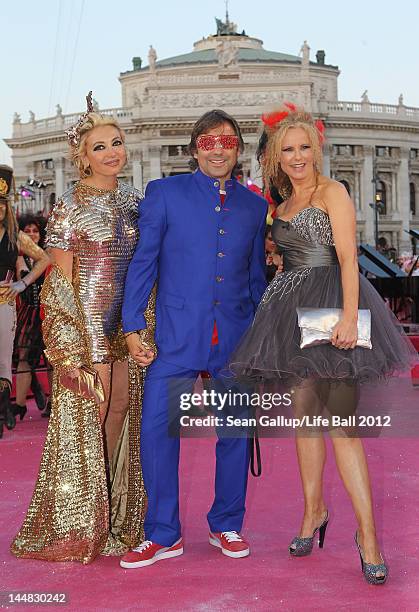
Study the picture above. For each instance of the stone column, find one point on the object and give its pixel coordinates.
(326, 160)
(155, 165)
(403, 197)
(356, 194)
(59, 163)
(395, 210)
(367, 194)
(137, 173)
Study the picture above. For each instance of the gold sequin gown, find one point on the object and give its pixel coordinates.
(77, 510)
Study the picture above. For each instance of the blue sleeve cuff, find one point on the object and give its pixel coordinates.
(132, 324)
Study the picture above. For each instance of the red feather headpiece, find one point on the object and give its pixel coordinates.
(271, 119)
(320, 128)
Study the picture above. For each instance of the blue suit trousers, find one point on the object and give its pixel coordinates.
(160, 458)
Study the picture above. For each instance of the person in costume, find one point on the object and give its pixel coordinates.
(314, 229)
(12, 242)
(202, 237)
(29, 345)
(89, 497)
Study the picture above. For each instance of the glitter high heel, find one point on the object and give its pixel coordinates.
(301, 547)
(370, 570)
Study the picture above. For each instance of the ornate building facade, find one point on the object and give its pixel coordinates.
(372, 148)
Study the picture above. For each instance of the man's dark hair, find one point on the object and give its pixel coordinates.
(209, 121)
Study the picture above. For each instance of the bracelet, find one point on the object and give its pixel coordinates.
(130, 333)
(23, 281)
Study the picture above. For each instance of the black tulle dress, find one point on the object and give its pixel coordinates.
(270, 349)
(29, 344)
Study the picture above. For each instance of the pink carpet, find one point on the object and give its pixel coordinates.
(204, 580)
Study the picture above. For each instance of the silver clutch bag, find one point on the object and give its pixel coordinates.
(316, 326)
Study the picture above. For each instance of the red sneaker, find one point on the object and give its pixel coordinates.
(148, 553)
(231, 543)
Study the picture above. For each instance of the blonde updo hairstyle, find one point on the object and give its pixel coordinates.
(78, 151)
(270, 159)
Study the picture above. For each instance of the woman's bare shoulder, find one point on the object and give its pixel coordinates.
(331, 187)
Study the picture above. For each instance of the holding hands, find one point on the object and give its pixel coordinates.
(139, 350)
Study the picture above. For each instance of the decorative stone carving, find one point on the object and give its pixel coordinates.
(191, 100)
(227, 53)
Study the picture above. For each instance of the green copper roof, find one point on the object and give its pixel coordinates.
(195, 57)
(209, 56)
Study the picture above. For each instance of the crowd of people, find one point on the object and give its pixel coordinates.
(22, 265)
(144, 294)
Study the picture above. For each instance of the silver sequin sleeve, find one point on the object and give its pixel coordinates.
(60, 229)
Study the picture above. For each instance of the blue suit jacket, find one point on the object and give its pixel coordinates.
(208, 261)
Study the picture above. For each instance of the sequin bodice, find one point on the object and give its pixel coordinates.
(100, 228)
(306, 240)
(311, 224)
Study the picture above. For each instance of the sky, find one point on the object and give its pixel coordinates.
(55, 51)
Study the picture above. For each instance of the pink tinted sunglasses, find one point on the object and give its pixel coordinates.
(207, 142)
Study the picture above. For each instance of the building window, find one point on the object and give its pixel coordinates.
(384, 151)
(412, 191)
(343, 149)
(414, 153)
(177, 150)
(381, 196)
(346, 185)
(47, 164)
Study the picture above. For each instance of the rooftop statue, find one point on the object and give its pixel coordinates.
(225, 28)
(305, 52)
(152, 58)
(364, 97)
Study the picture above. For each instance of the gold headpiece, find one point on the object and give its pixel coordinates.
(73, 133)
(4, 187)
(6, 182)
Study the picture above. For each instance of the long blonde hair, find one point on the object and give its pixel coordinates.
(10, 223)
(276, 131)
(77, 152)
